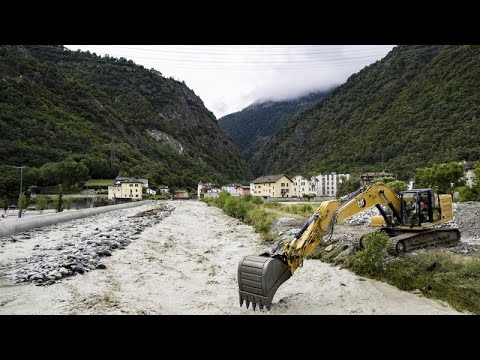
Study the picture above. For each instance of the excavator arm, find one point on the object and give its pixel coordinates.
(260, 276)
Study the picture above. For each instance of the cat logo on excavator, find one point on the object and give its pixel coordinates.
(362, 203)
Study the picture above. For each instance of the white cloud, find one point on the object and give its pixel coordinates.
(230, 77)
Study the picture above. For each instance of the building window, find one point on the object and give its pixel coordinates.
(131, 185)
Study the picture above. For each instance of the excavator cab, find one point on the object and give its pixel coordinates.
(417, 207)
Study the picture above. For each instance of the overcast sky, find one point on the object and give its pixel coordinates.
(230, 77)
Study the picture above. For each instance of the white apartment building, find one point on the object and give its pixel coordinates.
(320, 185)
(304, 184)
(327, 184)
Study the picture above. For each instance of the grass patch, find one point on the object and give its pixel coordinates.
(248, 209)
(299, 209)
(258, 213)
(439, 275)
(53, 190)
(99, 182)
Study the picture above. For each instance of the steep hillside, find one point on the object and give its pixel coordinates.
(254, 125)
(417, 106)
(110, 114)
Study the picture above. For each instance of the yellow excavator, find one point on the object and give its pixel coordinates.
(409, 218)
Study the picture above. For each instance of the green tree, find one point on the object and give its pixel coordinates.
(471, 193)
(4, 203)
(348, 186)
(309, 196)
(98, 168)
(22, 204)
(8, 180)
(386, 179)
(42, 202)
(68, 203)
(68, 173)
(467, 193)
(477, 172)
(59, 201)
(443, 177)
(397, 185)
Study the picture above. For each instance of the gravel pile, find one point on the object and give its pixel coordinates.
(467, 218)
(362, 218)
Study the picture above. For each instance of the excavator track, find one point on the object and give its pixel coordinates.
(259, 278)
(398, 245)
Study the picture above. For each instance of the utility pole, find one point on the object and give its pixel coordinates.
(21, 175)
(21, 188)
(112, 153)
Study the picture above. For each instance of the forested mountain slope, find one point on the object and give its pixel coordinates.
(111, 115)
(417, 106)
(254, 125)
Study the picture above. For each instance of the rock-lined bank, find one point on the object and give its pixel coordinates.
(13, 226)
(82, 253)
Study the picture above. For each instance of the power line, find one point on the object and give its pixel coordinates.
(201, 51)
(262, 62)
(196, 58)
(245, 63)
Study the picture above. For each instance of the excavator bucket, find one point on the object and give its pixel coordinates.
(259, 278)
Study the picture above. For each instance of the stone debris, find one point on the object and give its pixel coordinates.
(362, 218)
(50, 265)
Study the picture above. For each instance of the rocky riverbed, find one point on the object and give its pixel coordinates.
(179, 259)
(56, 255)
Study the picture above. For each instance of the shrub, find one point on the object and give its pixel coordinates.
(100, 201)
(245, 209)
(59, 201)
(467, 193)
(256, 200)
(369, 260)
(271, 204)
(42, 203)
(68, 203)
(22, 204)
